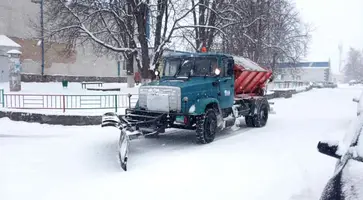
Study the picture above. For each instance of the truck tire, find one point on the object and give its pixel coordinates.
(249, 121)
(260, 119)
(207, 127)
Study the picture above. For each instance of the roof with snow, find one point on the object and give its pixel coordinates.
(14, 51)
(7, 42)
(304, 64)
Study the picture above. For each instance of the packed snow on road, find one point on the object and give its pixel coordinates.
(279, 161)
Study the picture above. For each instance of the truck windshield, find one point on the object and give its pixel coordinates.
(185, 67)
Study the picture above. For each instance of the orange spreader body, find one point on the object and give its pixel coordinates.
(249, 76)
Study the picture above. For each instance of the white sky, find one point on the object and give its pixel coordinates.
(335, 21)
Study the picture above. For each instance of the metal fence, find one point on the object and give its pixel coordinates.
(289, 84)
(2, 97)
(79, 102)
(67, 102)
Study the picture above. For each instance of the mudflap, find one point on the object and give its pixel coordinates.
(271, 108)
(123, 148)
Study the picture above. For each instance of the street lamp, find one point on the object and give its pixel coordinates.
(42, 29)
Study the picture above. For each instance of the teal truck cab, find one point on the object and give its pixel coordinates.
(205, 92)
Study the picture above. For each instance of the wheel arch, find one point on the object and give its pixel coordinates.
(202, 105)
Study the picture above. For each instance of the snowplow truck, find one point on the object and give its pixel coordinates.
(205, 92)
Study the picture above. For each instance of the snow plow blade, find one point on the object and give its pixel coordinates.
(126, 134)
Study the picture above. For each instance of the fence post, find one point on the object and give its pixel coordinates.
(116, 103)
(64, 103)
(2, 97)
(130, 95)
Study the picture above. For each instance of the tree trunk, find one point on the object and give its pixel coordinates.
(130, 70)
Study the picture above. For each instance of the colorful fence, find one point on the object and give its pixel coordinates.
(67, 102)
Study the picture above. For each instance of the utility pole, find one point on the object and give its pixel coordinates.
(42, 30)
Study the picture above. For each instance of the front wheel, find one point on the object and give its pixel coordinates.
(207, 127)
(123, 149)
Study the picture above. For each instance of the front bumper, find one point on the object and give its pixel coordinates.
(153, 122)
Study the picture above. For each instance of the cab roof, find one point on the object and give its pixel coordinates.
(186, 54)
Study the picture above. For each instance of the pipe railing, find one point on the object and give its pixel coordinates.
(67, 102)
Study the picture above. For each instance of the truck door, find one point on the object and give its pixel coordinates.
(226, 83)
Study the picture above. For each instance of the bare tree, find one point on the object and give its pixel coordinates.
(276, 34)
(116, 26)
(266, 31)
(354, 67)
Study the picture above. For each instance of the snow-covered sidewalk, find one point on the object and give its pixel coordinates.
(277, 162)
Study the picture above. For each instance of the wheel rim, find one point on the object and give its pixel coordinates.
(212, 128)
(263, 115)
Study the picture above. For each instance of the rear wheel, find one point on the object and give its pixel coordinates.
(249, 121)
(207, 127)
(260, 119)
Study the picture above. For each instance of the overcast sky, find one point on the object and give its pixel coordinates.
(335, 21)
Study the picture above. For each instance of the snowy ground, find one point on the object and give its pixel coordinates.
(277, 162)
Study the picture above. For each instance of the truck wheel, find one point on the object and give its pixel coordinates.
(249, 121)
(206, 127)
(260, 119)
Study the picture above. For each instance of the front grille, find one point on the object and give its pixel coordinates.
(170, 95)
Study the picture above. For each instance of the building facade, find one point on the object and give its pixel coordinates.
(304, 71)
(16, 18)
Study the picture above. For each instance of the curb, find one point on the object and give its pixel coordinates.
(79, 120)
(66, 120)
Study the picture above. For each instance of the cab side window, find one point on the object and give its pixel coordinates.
(228, 67)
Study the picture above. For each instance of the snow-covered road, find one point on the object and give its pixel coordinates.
(279, 161)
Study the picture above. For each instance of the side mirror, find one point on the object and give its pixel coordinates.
(356, 100)
(329, 148)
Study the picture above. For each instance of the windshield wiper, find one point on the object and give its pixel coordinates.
(179, 69)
